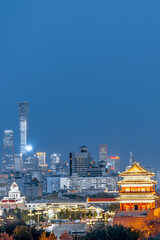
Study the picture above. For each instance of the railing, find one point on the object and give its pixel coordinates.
(152, 191)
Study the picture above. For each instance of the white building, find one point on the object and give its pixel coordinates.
(14, 194)
(55, 162)
(86, 184)
(14, 200)
(53, 184)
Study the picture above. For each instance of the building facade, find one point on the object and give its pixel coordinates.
(41, 161)
(80, 162)
(53, 184)
(18, 162)
(113, 162)
(55, 163)
(23, 109)
(89, 184)
(8, 151)
(103, 148)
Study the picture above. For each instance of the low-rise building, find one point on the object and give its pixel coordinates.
(14, 199)
(53, 184)
(89, 184)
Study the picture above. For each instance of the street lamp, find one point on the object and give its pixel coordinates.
(38, 213)
(30, 214)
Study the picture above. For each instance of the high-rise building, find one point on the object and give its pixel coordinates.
(103, 152)
(131, 159)
(18, 162)
(55, 163)
(158, 179)
(8, 151)
(23, 109)
(41, 159)
(113, 162)
(30, 162)
(80, 162)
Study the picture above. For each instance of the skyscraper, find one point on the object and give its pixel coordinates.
(8, 151)
(80, 162)
(18, 162)
(103, 152)
(55, 163)
(23, 109)
(41, 159)
(113, 162)
(131, 159)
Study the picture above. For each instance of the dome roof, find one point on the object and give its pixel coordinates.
(14, 187)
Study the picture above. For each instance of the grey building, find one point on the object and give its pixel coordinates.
(18, 162)
(89, 184)
(55, 163)
(158, 179)
(80, 162)
(53, 184)
(23, 109)
(8, 151)
(103, 152)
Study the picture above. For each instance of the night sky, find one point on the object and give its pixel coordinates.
(90, 70)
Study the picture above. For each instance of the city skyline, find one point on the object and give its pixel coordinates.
(37, 148)
(91, 76)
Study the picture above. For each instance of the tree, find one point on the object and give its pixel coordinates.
(43, 236)
(119, 232)
(5, 236)
(154, 226)
(52, 236)
(113, 207)
(96, 232)
(22, 232)
(36, 233)
(64, 236)
(101, 232)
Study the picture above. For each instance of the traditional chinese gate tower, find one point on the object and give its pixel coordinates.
(137, 189)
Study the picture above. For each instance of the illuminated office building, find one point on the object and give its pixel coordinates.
(41, 160)
(23, 108)
(18, 162)
(103, 152)
(80, 162)
(113, 162)
(8, 151)
(55, 163)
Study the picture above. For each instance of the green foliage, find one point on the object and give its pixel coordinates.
(113, 207)
(121, 233)
(36, 233)
(22, 232)
(101, 232)
(98, 232)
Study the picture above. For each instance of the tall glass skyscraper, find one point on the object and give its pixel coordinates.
(23, 109)
(103, 152)
(8, 151)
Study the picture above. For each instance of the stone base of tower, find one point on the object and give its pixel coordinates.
(138, 220)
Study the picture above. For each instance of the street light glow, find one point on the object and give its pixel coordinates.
(29, 148)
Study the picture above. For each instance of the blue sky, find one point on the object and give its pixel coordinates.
(90, 70)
